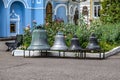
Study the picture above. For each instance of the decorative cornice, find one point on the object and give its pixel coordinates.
(22, 1)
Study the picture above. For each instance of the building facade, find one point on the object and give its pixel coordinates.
(15, 15)
(90, 9)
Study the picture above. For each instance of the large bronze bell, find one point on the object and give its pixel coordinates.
(39, 40)
(59, 43)
(75, 43)
(93, 43)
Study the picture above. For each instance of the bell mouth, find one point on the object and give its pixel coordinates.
(38, 47)
(59, 48)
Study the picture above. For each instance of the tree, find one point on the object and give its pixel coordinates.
(110, 12)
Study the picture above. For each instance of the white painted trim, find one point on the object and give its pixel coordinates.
(13, 12)
(94, 9)
(71, 6)
(42, 7)
(74, 10)
(60, 5)
(14, 19)
(17, 20)
(36, 8)
(39, 1)
(4, 3)
(22, 1)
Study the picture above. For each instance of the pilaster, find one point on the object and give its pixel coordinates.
(91, 9)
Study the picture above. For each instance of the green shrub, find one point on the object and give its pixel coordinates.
(107, 46)
(26, 38)
(110, 11)
(107, 34)
(52, 29)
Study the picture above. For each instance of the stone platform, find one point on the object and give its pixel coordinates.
(67, 54)
(56, 54)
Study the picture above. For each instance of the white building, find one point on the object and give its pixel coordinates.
(90, 9)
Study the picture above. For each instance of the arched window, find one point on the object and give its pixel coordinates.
(49, 12)
(85, 11)
(76, 16)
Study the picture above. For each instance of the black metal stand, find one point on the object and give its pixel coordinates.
(80, 53)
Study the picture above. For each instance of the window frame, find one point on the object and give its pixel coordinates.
(98, 8)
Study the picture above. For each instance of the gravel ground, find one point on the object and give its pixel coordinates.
(19, 68)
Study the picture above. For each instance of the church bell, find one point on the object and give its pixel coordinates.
(75, 43)
(93, 43)
(39, 40)
(59, 43)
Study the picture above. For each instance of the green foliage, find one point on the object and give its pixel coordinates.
(110, 11)
(52, 29)
(83, 31)
(107, 46)
(83, 35)
(26, 38)
(81, 21)
(108, 34)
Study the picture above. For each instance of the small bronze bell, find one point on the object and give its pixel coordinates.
(59, 43)
(75, 43)
(39, 40)
(93, 43)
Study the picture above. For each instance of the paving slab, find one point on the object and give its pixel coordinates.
(19, 68)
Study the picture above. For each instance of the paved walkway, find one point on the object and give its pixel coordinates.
(19, 68)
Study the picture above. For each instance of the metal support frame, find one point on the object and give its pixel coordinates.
(81, 53)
